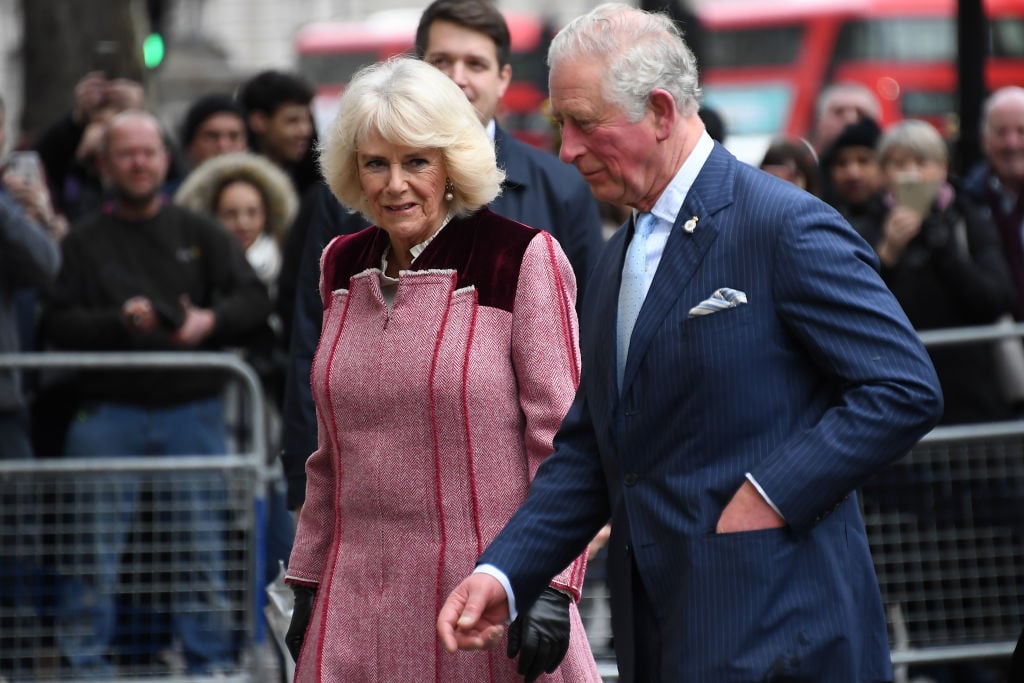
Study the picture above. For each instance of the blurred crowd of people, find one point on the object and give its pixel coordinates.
(949, 248)
(948, 244)
(117, 234)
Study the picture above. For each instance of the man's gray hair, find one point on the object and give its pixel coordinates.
(642, 51)
(866, 95)
(1009, 92)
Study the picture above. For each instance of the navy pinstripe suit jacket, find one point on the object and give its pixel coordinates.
(812, 386)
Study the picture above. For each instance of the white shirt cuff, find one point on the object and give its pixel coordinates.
(764, 495)
(491, 570)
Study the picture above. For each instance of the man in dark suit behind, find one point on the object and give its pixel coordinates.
(468, 40)
(769, 373)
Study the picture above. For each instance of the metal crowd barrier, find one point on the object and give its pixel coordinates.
(44, 553)
(946, 529)
(945, 523)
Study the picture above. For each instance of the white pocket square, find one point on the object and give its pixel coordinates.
(722, 299)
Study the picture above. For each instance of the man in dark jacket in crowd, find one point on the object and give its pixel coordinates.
(998, 181)
(145, 275)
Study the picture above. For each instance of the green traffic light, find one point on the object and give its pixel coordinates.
(153, 50)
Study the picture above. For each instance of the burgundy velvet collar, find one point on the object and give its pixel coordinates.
(485, 249)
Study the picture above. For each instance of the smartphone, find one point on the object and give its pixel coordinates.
(171, 316)
(916, 193)
(26, 165)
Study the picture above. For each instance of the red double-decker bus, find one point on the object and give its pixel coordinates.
(766, 62)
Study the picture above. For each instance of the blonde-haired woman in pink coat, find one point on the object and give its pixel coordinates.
(448, 358)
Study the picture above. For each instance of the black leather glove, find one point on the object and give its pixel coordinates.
(301, 613)
(541, 636)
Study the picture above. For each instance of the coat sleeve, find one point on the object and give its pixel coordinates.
(546, 359)
(76, 315)
(298, 437)
(315, 528)
(56, 147)
(977, 272)
(28, 256)
(316, 517)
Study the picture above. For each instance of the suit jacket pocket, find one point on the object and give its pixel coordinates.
(737, 570)
(770, 586)
(719, 320)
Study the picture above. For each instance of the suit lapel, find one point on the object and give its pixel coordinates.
(600, 325)
(683, 254)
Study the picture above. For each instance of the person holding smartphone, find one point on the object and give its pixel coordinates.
(22, 177)
(29, 259)
(147, 275)
(941, 256)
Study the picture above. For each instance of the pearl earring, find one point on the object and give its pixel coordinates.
(449, 190)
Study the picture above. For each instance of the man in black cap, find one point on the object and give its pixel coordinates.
(853, 174)
(214, 124)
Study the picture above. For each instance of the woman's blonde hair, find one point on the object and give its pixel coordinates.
(410, 103)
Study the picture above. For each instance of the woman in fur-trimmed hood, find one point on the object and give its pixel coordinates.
(252, 198)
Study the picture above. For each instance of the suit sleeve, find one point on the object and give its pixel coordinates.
(583, 240)
(829, 296)
(566, 507)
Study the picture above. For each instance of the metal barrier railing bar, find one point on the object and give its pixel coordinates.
(194, 549)
(945, 531)
(953, 578)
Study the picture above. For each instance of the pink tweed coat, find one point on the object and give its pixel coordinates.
(433, 418)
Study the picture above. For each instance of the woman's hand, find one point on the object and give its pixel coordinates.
(541, 636)
(901, 226)
(301, 614)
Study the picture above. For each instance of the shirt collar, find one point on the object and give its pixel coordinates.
(671, 200)
(415, 249)
(491, 127)
(1007, 198)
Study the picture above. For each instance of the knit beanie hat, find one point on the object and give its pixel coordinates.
(202, 109)
(862, 133)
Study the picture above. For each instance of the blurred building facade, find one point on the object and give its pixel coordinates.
(214, 44)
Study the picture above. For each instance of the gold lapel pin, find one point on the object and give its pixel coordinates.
(690, 225)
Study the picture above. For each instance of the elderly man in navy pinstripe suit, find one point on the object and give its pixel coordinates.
(768, 374)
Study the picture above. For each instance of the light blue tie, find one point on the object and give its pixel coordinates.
(633, 288)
